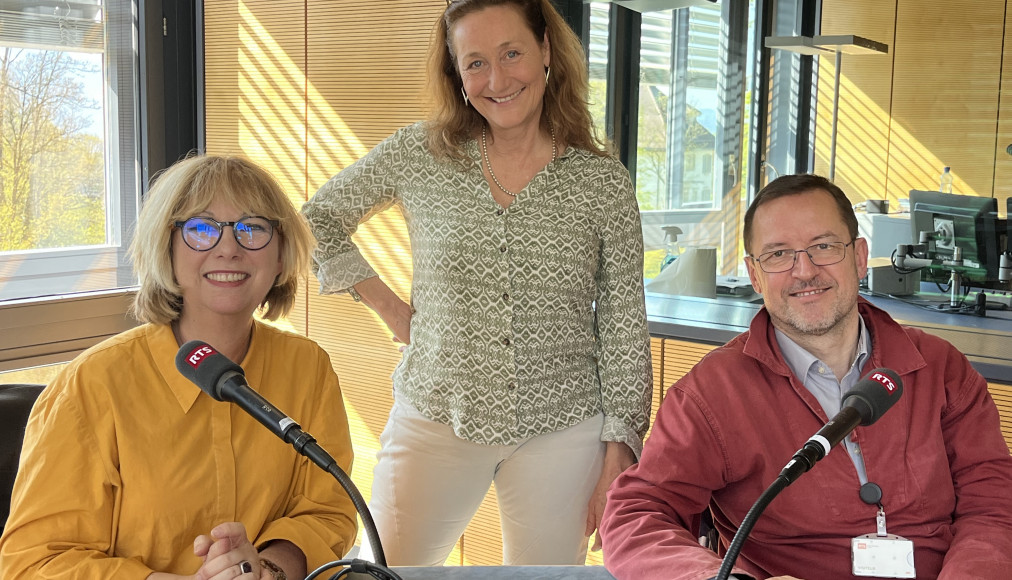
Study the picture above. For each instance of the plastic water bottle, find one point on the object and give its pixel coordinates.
(945, 182)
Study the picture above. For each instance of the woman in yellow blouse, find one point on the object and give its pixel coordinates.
(129, 470)
(527, 358)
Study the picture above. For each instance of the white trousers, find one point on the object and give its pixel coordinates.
(428, 483)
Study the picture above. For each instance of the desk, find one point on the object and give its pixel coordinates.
(986, 341)
(496, 573)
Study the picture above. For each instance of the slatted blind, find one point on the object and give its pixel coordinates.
(1002, 395)
(863, 139)
(1002, 157)
(305, 88)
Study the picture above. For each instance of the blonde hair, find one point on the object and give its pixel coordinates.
(452, 122)
(189, 187)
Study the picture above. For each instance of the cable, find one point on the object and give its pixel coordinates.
(746, 526)
(355, 565)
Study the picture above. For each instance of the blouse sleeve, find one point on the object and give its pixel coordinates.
(623, 342)
(362, 190)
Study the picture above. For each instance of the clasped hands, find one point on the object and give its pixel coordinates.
(225, 551)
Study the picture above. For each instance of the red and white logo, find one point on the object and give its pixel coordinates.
(885, 381)
(199, 354)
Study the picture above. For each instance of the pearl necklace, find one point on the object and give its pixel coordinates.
(484, 153)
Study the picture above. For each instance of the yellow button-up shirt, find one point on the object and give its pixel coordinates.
(125, 462)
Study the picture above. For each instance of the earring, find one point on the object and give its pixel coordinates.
(466, 102)
(548, 71)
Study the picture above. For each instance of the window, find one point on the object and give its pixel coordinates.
(688, 142)
(85, 119)
(68, 145)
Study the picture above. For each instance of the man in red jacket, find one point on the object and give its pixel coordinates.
(726, 429)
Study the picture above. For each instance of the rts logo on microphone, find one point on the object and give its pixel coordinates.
(199, 354)
(885, 381)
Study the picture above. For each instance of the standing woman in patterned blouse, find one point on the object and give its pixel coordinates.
(527, 358)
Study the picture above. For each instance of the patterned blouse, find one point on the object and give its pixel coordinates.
(528, 319)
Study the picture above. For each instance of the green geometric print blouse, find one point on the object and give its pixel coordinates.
(528, 319)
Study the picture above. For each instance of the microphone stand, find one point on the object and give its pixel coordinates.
(748, 523)
(306, 445)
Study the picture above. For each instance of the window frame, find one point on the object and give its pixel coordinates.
(53, 329)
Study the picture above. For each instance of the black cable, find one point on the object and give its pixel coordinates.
(746, 525)
(899, 270)
(357, 565)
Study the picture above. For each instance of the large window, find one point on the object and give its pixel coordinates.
(688, 142)
(86, 118)
(69, 160)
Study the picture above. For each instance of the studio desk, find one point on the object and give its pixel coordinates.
(496, 573)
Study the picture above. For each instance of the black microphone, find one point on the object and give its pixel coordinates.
(224, 380)
(863, 404)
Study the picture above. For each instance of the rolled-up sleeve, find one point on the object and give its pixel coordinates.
(334, 213)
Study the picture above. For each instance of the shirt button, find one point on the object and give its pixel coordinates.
(500, 211)
(505, 296)
(506, 342)
(511, 385)
(502, 248)
(822, 370)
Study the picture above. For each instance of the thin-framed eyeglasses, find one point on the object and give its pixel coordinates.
(202, 233)
(822, 254)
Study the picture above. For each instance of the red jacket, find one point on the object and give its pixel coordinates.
(726, 429)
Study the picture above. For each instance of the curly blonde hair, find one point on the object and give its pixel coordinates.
(452, 122)
(189, 187)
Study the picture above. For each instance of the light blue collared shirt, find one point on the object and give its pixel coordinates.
(819, 379)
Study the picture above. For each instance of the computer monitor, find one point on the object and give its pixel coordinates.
(967, 222)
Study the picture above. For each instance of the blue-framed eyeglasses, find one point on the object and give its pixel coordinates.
(824, 254)
(203, 233)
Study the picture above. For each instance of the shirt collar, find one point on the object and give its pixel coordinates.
(162, 342)
(800, 361)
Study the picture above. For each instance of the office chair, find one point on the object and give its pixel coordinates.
(707, 532)
(15, 404)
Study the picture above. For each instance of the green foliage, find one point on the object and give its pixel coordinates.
(52, 185)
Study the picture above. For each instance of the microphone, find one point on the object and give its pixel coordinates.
(224, 380)
(863, 404)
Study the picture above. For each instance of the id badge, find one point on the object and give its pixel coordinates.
(877, 556)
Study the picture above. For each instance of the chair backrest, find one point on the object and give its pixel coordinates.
(15, 404)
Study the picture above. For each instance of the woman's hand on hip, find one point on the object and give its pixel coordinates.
(394, 312)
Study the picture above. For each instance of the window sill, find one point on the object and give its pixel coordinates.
(55, 329)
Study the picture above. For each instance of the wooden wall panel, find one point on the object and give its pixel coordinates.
(679, 358)
(305, 88)
(1002, 395)
(945, 94)
(862, 149)
(1002, 157)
